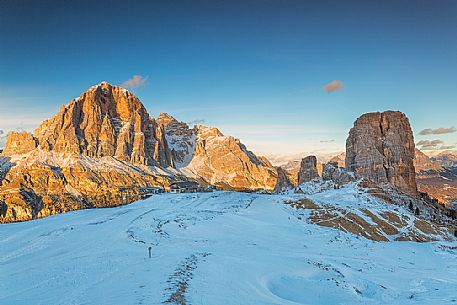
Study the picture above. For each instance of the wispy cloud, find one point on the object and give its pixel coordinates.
(441, 130)
(135, 82)
(327, 141)
(447, 147)
(433, 145)
(429, 144)
(197, 122)
(333, 86)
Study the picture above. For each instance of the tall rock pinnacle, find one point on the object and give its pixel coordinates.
(380, 147)
(308, 169)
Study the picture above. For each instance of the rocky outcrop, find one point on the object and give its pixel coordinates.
(332, 172)
(308, 169)
(19, 143)
(380, 147)
(106, 121)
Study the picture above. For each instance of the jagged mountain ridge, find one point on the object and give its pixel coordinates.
(104, 141)
(205, 153)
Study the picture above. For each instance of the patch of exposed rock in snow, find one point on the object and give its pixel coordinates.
(361, 211)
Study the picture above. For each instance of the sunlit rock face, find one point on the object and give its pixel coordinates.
(106, 121)
(380, 147)
(308, 169)
(206, 153)
(105, 141)
(97, 144)
(225, 162)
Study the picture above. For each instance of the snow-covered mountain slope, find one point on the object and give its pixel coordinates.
(215, 248)
(360, 211)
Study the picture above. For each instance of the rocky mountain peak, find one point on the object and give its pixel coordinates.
(105, 120)
(165, 119)
(380, 147)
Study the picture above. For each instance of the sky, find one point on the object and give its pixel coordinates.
(285, 77)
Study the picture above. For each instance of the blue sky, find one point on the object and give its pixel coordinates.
(255, 69)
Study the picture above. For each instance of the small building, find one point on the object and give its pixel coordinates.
(153, 190)
(185, 187)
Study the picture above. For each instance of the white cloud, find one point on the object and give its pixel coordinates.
(440, 130)
(433, 145)
(333, 86)
(135, 82)
(443, 147)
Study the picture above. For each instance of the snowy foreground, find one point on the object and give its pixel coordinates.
(214, 248)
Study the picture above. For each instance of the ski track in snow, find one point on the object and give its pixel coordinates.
(214, 248)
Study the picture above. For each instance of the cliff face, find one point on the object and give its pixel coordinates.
(380, 147)
(106, 121)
